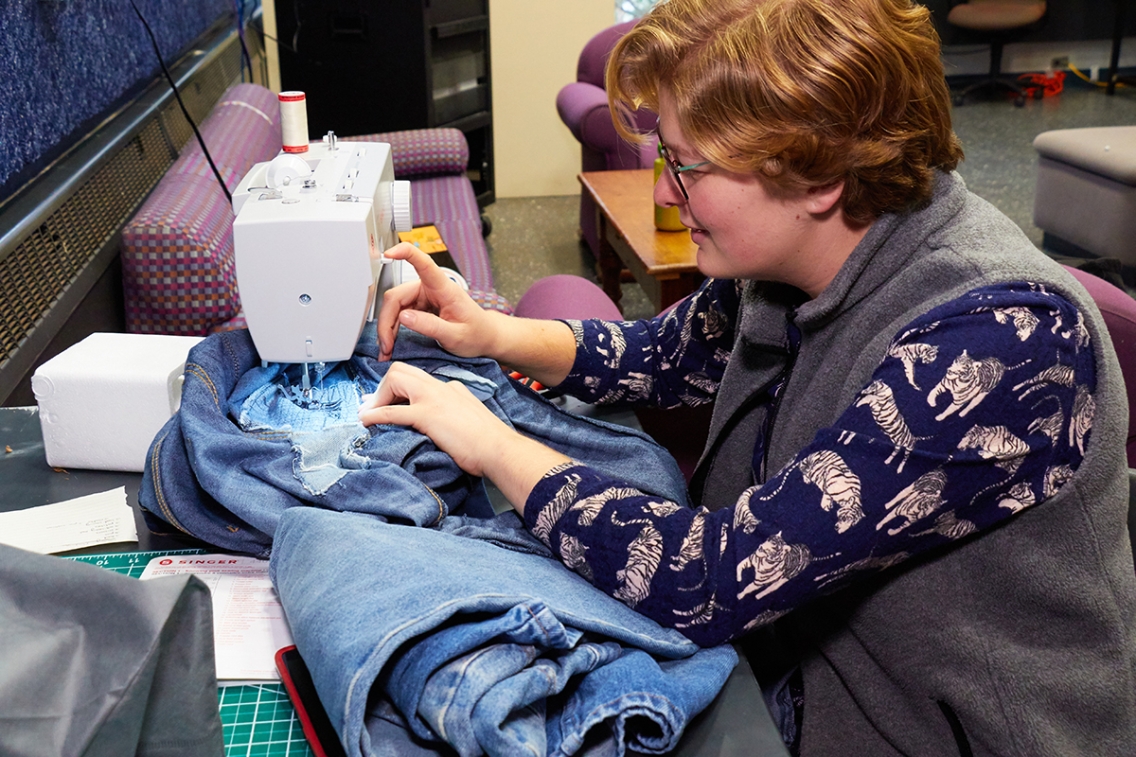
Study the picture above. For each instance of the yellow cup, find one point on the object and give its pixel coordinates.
(666, 219)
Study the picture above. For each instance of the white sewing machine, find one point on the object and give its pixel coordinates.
(309, 237)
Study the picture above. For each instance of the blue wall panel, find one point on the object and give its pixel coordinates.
(65, 63)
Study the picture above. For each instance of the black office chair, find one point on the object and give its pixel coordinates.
(996, 22)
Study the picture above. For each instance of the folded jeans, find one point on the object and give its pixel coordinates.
(501, 650)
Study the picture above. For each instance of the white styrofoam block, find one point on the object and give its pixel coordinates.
(103, 400)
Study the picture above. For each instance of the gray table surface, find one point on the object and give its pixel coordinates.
(737, 724)
(26, 480)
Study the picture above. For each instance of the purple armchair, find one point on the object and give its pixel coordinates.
(682, 431)
(583, 107)
(1119, 311)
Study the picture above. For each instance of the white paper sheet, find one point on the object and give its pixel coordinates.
(103, 518)
(248, 620)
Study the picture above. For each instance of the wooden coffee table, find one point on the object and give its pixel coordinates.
(662, 262)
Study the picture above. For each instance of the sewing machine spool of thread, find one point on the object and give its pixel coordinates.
(294, 121)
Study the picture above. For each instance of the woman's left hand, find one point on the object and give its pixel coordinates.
(461, 426)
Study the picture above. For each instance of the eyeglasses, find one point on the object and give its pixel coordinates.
(676, 169)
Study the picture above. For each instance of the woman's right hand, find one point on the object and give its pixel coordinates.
(434, 306)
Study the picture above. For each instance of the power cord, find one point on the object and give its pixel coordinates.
(296, 34)
(281, 43)
(1081, 75)
(1042, 85)
(177, 96)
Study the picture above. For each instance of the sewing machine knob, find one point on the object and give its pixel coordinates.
(285, 169)
(400, 206)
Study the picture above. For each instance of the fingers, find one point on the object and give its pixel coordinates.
(390, 415)
(406, 396)
(422, 263)
(400, 251)
(429, 325)
(395, 301)
(432, 292)
(396, 312)
(402, 384)
(446, 411)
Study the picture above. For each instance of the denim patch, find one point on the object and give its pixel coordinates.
(318, 461)
(322, 421)
(273, 397)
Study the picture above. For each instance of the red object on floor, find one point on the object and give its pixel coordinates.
(1047, 84)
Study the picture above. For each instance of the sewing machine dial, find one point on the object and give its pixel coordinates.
(286, 170)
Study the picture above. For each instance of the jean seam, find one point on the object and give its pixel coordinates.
(451, 696)
(441, 506)
(235, 362)
(536, 619)
(269, 436)
(159, 494)
(203, 376)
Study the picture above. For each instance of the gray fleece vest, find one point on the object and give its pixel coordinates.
(1019, 641)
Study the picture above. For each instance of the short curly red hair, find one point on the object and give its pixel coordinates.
(803, 92)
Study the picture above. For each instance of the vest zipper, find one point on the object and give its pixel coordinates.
(794, 335)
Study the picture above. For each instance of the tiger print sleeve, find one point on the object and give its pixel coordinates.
(981, 408)
(674, 359)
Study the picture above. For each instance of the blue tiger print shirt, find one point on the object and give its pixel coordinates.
(981, 408)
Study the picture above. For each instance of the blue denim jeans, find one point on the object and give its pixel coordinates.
(473, 635)
(247, 444)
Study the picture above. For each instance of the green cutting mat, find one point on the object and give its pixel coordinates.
(257, 721)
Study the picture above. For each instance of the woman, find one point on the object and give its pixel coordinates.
(915, 471)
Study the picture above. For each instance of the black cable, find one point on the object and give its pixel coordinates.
(263, 60)
(177, 96)
(296, 34)
(262, 48)
(279, 43)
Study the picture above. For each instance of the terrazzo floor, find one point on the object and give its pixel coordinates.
(537, 236)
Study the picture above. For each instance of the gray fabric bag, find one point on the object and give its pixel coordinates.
(95, 663)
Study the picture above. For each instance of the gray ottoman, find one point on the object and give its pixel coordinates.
(1086, 189)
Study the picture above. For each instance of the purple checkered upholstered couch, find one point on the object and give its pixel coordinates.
(179, 276)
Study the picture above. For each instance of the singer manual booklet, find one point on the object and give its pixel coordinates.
(248, 620)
